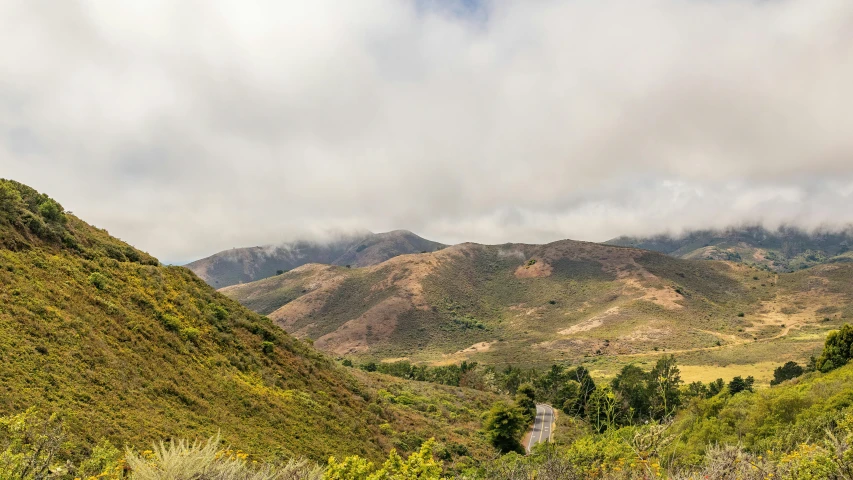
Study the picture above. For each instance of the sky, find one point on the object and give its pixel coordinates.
(189, 127)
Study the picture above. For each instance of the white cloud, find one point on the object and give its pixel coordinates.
(191, 127)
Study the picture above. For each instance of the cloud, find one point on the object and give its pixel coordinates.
(192, 127)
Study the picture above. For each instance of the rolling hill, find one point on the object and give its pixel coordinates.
(567, 301)
(242, 265)
(128, 350)
(783, 250)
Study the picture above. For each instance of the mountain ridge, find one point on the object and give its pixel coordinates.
(567, 301)
(242, 265)
(783, 249)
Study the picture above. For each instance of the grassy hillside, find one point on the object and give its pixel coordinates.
(600, 305)
(131, 351)
(241, 265)
(784, 250)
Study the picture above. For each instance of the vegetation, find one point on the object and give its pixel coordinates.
(788, 371)
(601, 307)
(504, 425)
(127, 351)
(783, 250)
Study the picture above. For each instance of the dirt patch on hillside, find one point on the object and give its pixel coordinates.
(646, 333)
(537, 270)
(664, 296)
(407, 276)
(374, 325)
(461, 355)
(591, 323)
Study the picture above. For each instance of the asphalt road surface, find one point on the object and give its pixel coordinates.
(542, 425)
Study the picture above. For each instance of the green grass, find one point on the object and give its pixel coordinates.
(131, 351)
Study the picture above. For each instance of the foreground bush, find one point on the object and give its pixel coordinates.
(182, 460)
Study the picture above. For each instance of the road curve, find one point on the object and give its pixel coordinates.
(541, 425)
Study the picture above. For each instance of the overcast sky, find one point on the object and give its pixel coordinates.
(188, 127)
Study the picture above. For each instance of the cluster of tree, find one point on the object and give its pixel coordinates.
(837, 350)
(463, 375)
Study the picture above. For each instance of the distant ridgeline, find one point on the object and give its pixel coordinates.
(242, 265)
(785, 249)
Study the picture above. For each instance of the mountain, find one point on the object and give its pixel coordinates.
(784, 249)
(241, 265)
(126, 349)
(566, 301)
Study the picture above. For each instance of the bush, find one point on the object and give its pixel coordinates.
(786, 372)
(182, 460)
(171, 322)
(837, 350)
(98, 280)
(190, 334)
(504, 425)
(419, 466)
(51, 211)
(29, 446)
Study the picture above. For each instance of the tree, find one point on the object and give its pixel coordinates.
(786, 372)
(740, 384)
(837, 350)
(603, 408)
(51, 211)
(504, 425)
(697, 389)
(664, 382)
(631, 384)
(716, 387)
(526, 400)
(586, 387)
(570, 395)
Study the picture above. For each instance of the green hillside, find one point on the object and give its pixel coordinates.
(568, 301)
(131, 351)
(785, 249)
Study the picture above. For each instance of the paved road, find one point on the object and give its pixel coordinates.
(542, 425)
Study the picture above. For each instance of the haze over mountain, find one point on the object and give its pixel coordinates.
(241, 265)
(485, 121)
(782, 249)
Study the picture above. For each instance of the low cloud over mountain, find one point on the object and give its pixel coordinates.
(192, 127)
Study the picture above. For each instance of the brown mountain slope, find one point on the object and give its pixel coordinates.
(131, 351)
(242, 265)
(535, 304)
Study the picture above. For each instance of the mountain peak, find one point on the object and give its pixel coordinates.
(358, 249)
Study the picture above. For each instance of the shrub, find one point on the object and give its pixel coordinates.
(786, 372)
(171, 322)
(98, 280)
(51, 211)
(837, 349)
(29, 446)
(267, 347)
(740, 384)
(504, 425)
(420, 465)
(190, 334)
(182, 460)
